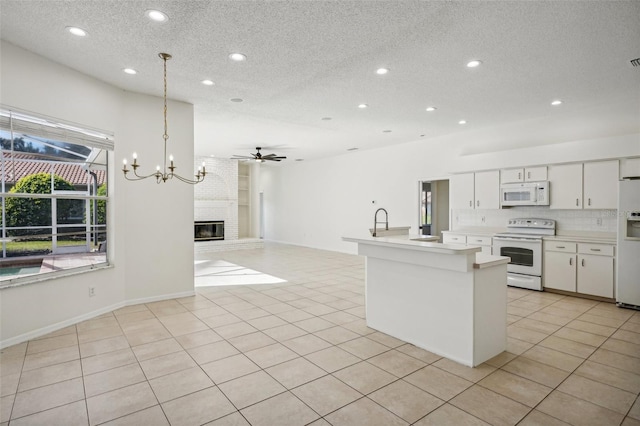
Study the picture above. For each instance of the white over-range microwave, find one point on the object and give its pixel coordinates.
(525, 194)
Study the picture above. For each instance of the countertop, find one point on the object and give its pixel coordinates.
(482, 260)
(403, 241)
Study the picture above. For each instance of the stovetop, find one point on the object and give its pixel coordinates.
(527, 228)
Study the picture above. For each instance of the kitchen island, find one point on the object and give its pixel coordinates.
(447, 299)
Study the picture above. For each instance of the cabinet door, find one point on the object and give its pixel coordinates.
(487, 190)
(560, 271)
(565, 186)
(511, 175)
(601, 185)
(595, 275)
(462, 191)
(535, 174)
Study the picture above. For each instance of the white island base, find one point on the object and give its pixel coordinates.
(448, 300)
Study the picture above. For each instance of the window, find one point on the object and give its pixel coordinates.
(53, 193)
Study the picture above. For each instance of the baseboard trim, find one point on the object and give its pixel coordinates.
(75, 320)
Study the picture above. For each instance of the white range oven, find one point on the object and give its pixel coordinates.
(523, 244)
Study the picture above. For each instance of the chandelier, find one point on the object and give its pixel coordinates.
(167, 171)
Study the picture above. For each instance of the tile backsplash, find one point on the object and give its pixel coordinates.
(566, 220)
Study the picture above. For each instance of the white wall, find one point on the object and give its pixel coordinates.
(315, 203)
(150, 225)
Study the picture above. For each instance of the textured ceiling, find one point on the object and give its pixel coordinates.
(312, 59)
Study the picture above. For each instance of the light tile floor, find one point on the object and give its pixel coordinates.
(299, 352)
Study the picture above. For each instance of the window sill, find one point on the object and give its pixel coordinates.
(33, 279)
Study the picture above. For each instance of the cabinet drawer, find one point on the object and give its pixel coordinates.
(474, 240)
(454, 239)
(561, 246)
(598, 249)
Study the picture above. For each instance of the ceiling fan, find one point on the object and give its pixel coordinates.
(258, 157)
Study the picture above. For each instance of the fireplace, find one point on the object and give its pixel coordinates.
(209, 230)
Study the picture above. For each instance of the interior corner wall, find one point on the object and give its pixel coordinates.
(150, 240)
(314, 203)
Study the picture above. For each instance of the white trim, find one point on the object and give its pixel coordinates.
(75, 320)
(58, 326)
(160, 298)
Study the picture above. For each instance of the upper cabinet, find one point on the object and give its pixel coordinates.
(592, 186)
(487, 190)
(476, 190)
(462, 191)
(565, 186)
(601, 185)
(527, 174)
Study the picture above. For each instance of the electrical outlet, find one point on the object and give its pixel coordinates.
(599, 221)
(92, 291)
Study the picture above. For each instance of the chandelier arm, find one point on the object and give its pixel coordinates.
(189, 181)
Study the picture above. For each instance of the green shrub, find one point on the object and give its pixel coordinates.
(36, 211)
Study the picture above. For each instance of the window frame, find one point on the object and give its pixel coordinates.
(54, 130)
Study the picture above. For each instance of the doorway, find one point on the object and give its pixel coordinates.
(434, 207)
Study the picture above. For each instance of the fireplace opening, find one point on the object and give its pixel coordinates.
(209, 230)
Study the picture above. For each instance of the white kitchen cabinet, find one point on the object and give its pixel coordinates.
(601, 185)
(462, 191)
(585, 268)
(484, 242)
(560, 270)
(565, 186)
(450, 238)
(527, 174)
(595, 275)
(487, 190)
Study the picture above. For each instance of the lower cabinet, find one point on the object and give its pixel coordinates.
(560, 270)
(579, 267)
(482, 241)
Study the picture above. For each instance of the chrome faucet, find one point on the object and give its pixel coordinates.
(375, 221)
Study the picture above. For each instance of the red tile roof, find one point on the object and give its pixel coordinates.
(15, 170)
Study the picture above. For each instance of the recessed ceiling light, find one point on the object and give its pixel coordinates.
(556, 102)
(236, 100)
(77, 31)
(207, 82)
(431, 109)
(386, 131)
(474, 63)
(382, 71)
(238, 57)
(362, 106)
(462, 122)
(326, 118)
(130, 71)
(156, 15)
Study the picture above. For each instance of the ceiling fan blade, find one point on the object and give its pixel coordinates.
(241, 157)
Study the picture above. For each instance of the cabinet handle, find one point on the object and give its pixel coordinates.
(528, 175)
(478, 203)
(582, 262)
(595, 249)
(577, 202)
(470, 203)
(454, 238)
(571, 261)
(560, 247)
(478, 241)
(519, 176)
(589, 201)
